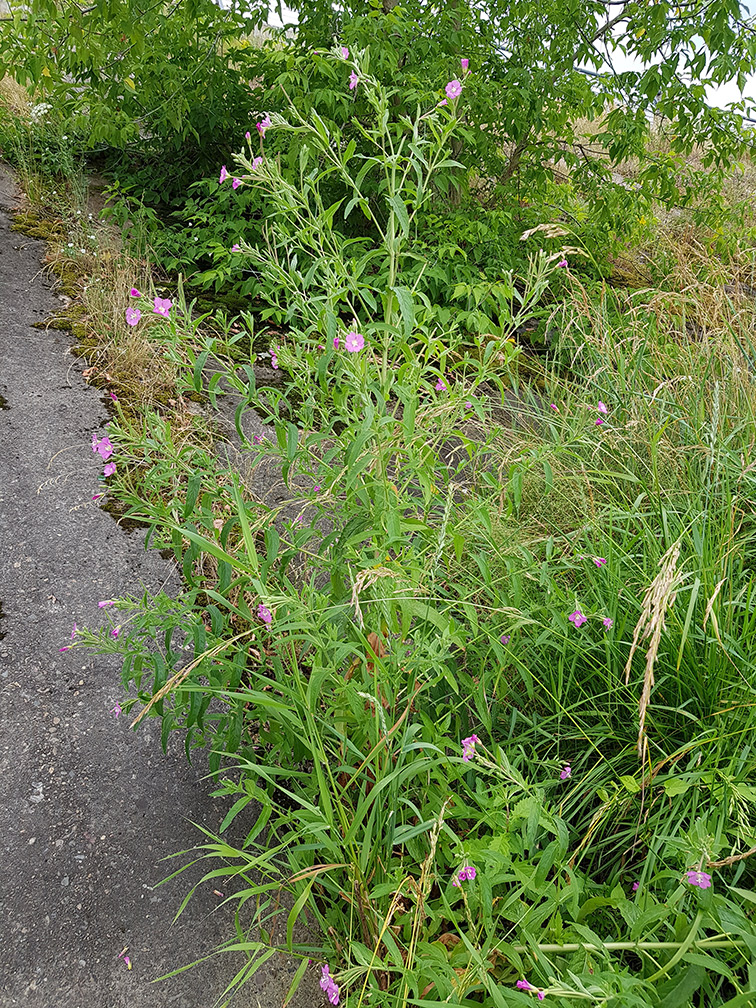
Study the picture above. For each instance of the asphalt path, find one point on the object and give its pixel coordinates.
(88, 808)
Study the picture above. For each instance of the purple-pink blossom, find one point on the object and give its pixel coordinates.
(116, 710)
(132, 316)
(264, 124)
(602, 407)
(354, 80)
(134, 292)
(608, 622)
(505, 638)
(247, 136)
(256, 439)
(273, 360)
(577, 618)
(236, 183)
(599, 561)
(223, 175)
(554, 406)
(562, 264)
(524, 985)
(464, 63)
(444, 101)
(264, 614)
(468, 747)
(109, 469)
(73, 632)
(113, 396)
(354, 342)
(162, 306)
(328, 984)
(466, 873)
(636, 886)
(441, 386)
(256, 162)
(599, 422)
(115, 632)
(453, 89)
(105, 604)
(344, 52)
(566, 772)
(236, 248)
(103, 447)
(698, 878)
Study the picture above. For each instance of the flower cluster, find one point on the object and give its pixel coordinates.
(465, 874)
(161, 306)
(328, 984)
(566, 772)
(468, 747)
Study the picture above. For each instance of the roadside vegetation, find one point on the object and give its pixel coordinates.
(480, 672)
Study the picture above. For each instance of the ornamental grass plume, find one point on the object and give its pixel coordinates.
(660, 594)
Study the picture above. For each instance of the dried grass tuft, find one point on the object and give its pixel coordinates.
(660, 595)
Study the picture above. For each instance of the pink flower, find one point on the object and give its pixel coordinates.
(236, 183)
(464, 63)
(441, 386)
(97, 496)
(66, 648)
(562, 264)
(599, 422)
(134, 292)
(256, 439)
(264, 124)
(699, 878)
(444, 101)
(115, 631)
(554, 406)
(636, 886)
(223, 175)
(505, 638)
(113, 396)
(328, 984)
(354, 342)
(264, 614)
(316, 489)
(599, 561)
(109, 469)
(248, 136)
(602, 407)
(273, 361)
(105, 604)
(453, 89)
(104, 447)
(608, 623)
(468, 747)
(577, 618)
(354, 80)
(116, 710)
(236, 248)
(335, 342)
(162, 306)
(73, 632)
(468, 404)
(466, 874)
(344, 52)
(566, 772)
(523, 985)
(132, 316)
(256, 162)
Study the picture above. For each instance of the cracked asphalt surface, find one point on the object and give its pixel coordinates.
(88, 808)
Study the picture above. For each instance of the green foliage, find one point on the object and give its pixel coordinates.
(441, 520)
